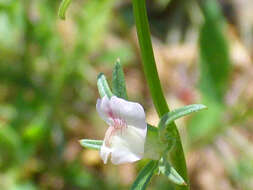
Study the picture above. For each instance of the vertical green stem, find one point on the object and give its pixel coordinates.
(148, 57)
(141, 19)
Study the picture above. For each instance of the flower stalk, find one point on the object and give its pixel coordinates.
(177, 154)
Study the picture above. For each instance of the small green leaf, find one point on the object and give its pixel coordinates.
(166, 169)
(103, 86)
(118, 81)
(63, 8)
(145, 175)
(93, 144)
(169, 117)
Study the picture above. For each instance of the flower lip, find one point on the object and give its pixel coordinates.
(118, 125)
(125, 137)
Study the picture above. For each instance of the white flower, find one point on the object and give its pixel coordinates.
(125, 138)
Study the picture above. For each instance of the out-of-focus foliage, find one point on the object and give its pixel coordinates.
(47, 73)
(214, 67)
(48, 70)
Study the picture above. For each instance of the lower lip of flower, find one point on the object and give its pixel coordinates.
(118, 125)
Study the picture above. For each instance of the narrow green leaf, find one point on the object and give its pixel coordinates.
(103, 86)
(168, 118)
(175, 114)
(215, 66)
(118, 81)
(144, 176)
(166, 169)
(215, 63)
(63, 8)
(93, 144)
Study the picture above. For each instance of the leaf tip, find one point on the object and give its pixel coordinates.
(202, 106)
(100, 75)
(62, 17)
(198, 107)
(63, 8)
(81, 141)
(118, 60)
(117, 65)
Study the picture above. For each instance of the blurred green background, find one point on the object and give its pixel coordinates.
(48, 70)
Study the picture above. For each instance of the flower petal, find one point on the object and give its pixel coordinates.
(131, 112)
(127, 145)
(105, 153)
(103, 106)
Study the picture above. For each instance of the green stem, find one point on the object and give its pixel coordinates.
(141, 19)
(148, 57)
